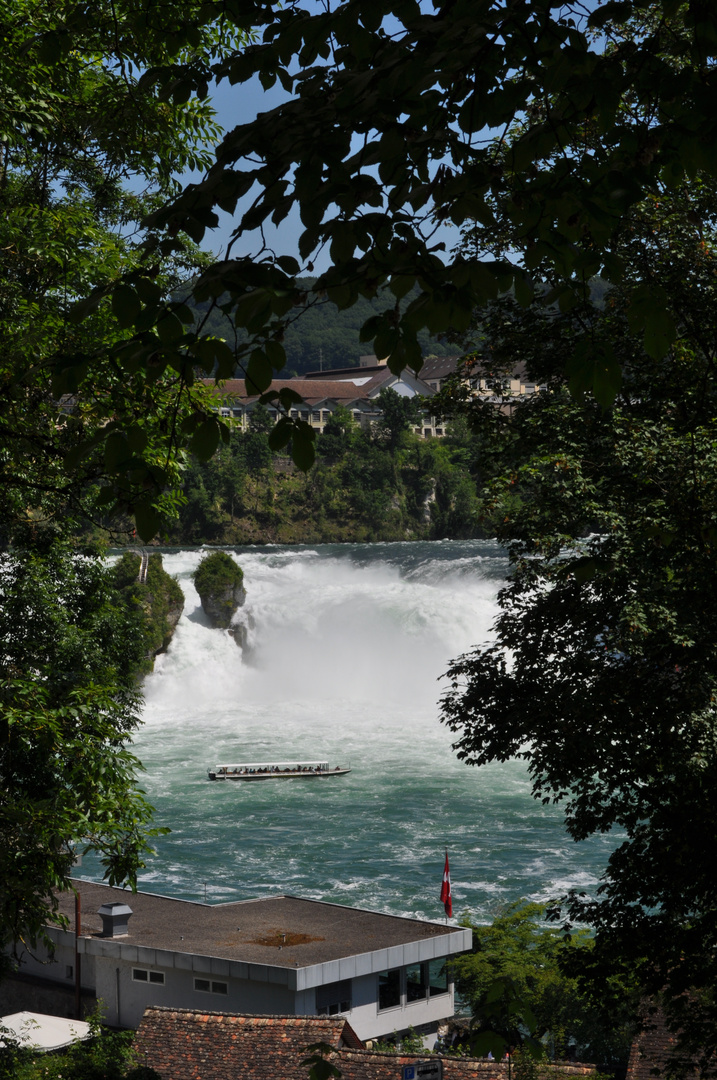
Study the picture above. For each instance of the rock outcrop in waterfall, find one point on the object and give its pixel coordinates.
(159, 600)
(220, 584)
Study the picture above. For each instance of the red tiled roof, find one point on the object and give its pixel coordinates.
(370, 1065)
(186, 1044)
(652, 1050)
(311, 390)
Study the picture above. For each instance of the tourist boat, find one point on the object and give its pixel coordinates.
(276, 770)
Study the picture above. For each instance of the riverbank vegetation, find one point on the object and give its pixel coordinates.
(366, 485)
(69, 694)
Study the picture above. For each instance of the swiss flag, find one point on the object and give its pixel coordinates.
(446, 889)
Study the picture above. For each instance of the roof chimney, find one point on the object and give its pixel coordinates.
(114, 919)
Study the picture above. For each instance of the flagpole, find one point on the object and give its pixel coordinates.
(446, 889)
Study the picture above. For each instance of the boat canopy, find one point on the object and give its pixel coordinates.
(292, 764)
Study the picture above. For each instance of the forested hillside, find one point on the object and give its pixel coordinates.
(320, 335)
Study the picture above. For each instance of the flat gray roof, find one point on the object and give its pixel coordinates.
(281, 931)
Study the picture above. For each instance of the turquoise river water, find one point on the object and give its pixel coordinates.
(346, 648)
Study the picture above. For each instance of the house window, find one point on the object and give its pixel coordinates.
(316, 417)
(416, 982)
(437, 977)
(333, 998)
(389, 988)
(209, 986)
(146, 976)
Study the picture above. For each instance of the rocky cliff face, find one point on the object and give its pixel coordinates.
(174, 614)
(221, 605)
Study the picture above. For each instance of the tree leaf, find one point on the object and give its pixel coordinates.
(126, 304)
(147, 521)
(205, 440)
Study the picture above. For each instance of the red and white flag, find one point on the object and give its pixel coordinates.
(446, 890)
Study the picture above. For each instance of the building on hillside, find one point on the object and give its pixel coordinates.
(499, 387)
(215, 1046)
(283, 955)
(356, 389)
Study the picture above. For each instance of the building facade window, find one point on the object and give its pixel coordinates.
(211, 986)
(415, 982)
(146, 976)
(437, 977)
(389, 989)
(333, 998)
(416, 988)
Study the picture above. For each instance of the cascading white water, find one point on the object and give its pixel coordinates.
(346, 647)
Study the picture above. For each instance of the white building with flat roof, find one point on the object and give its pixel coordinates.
(280, 955)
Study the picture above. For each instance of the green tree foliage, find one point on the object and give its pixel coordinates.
(410, 1043)
(69, 704)
(398, 414)
(83, 432)
(515, 983)
(159, 599)
(105, 1056)
(217, 572)
(337, 436)
(601, 675)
